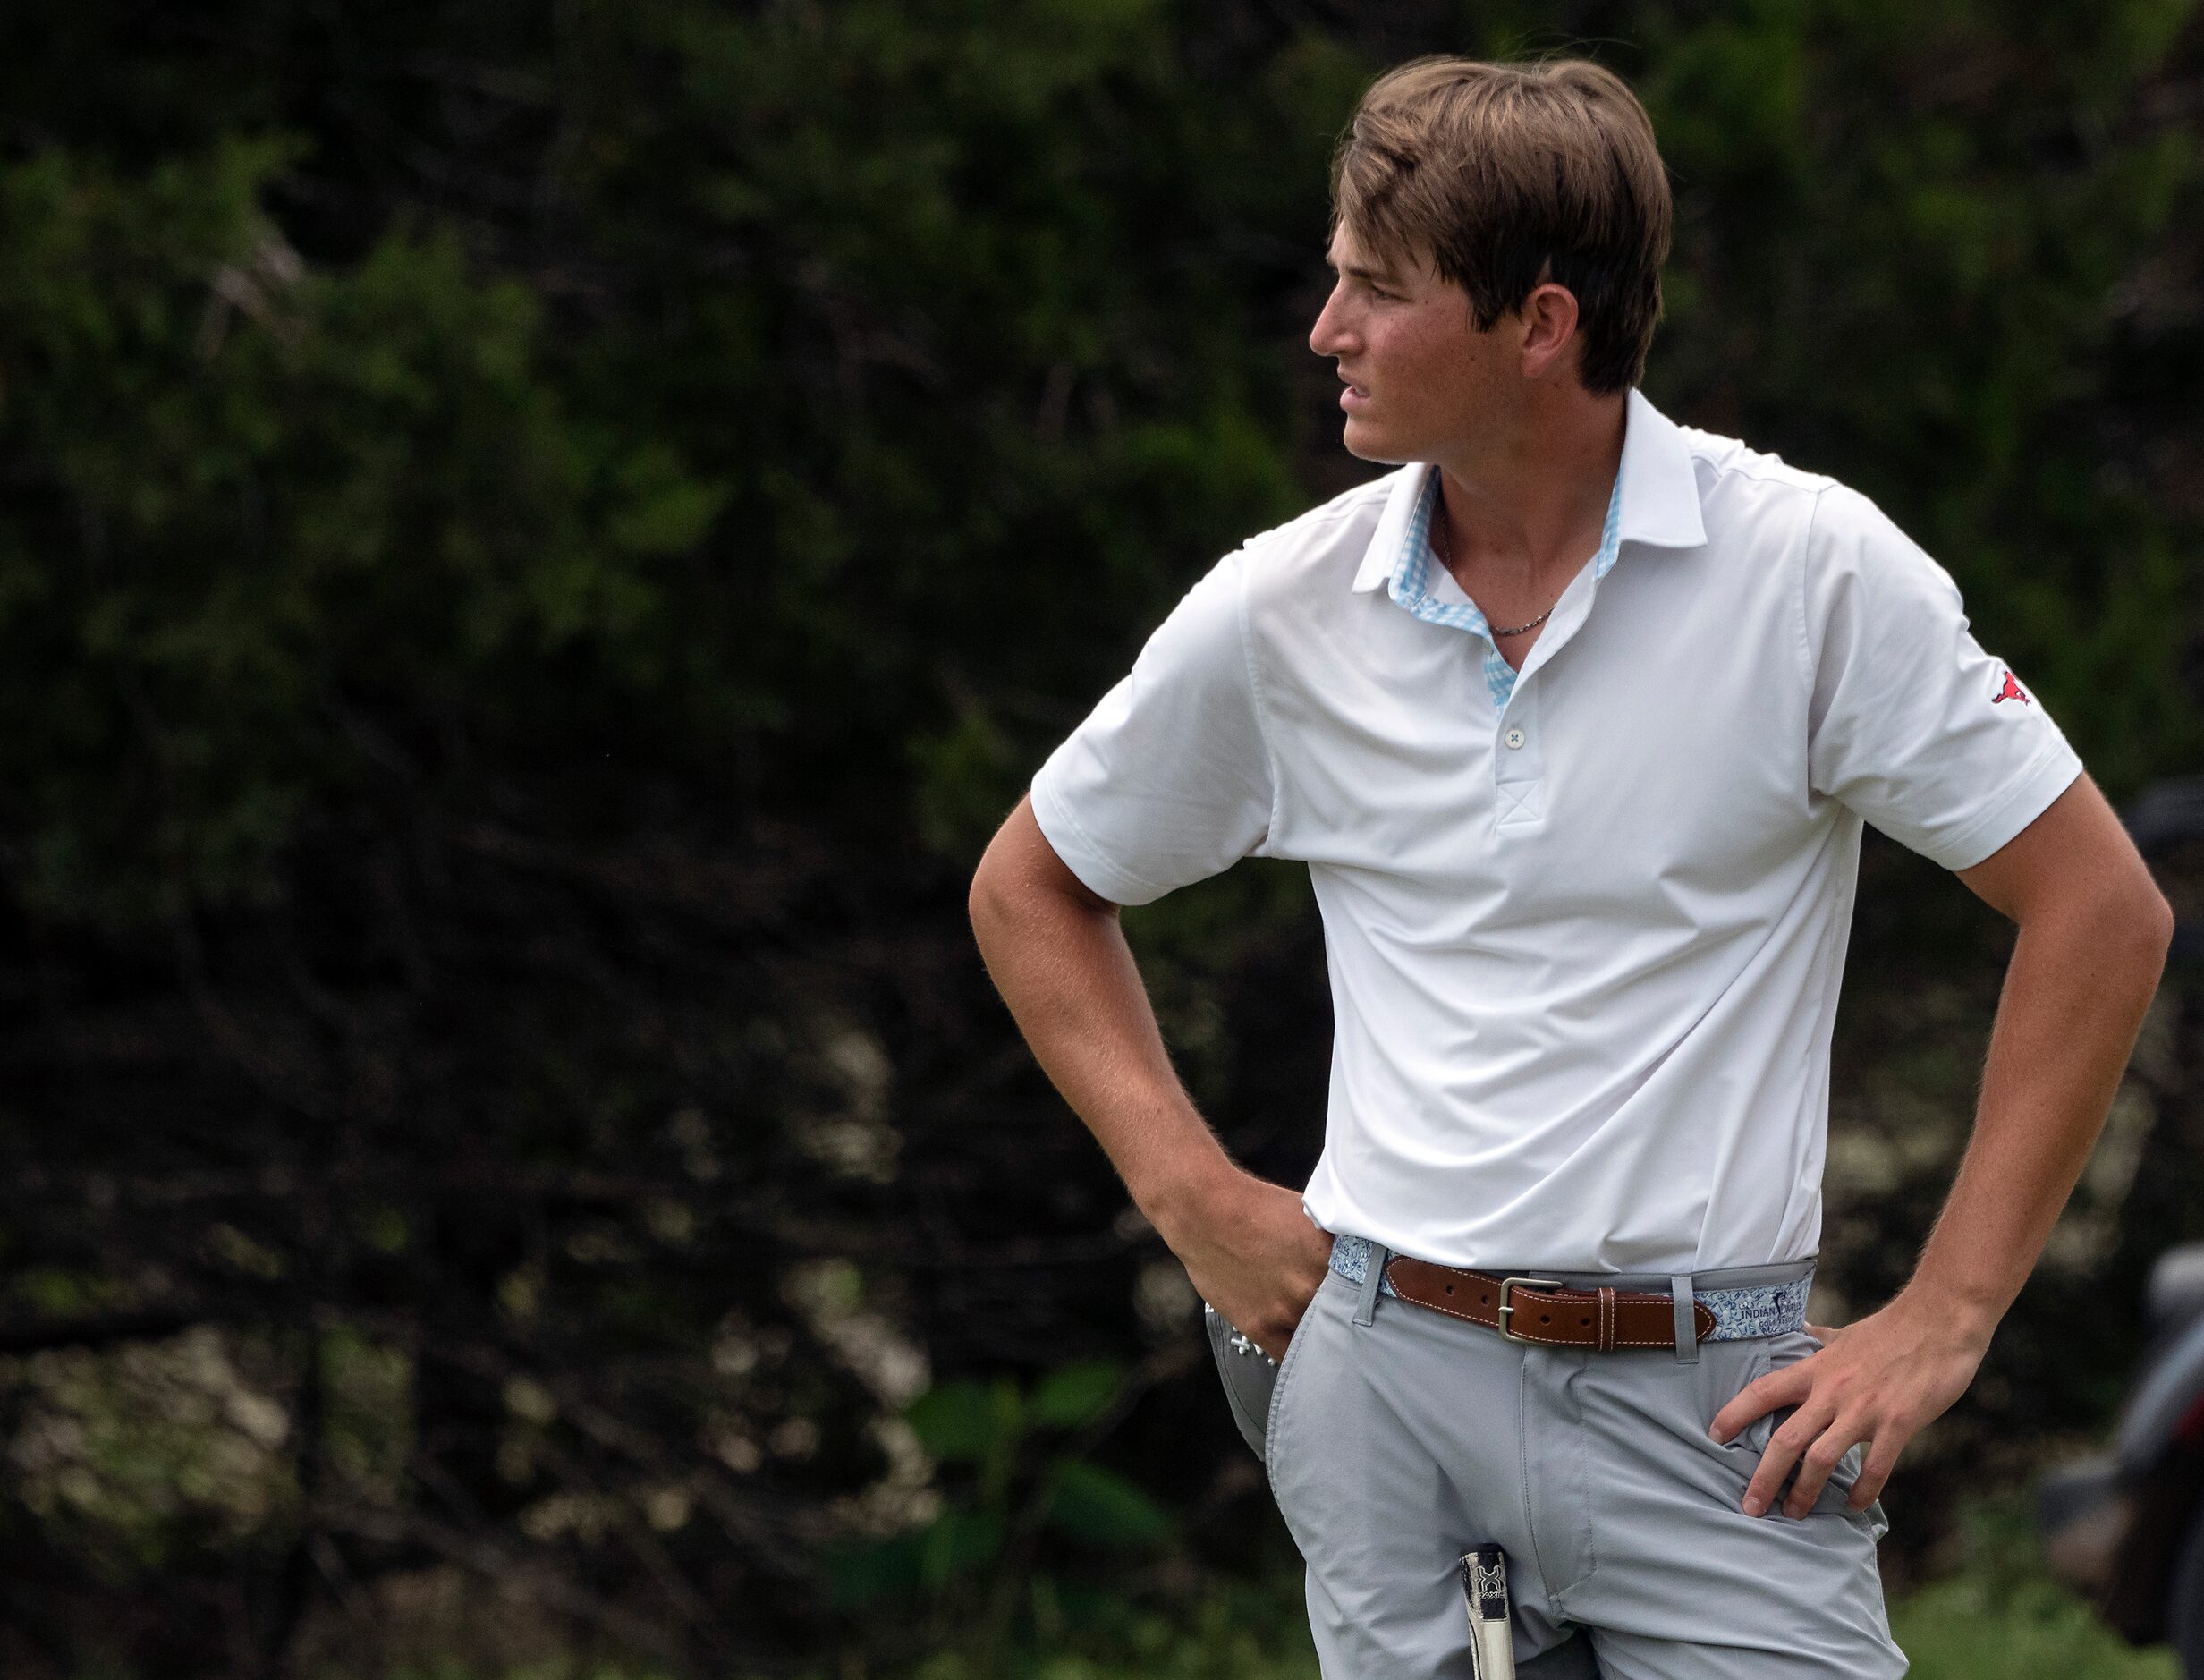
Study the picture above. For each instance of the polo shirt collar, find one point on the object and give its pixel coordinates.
(1656, 496)
(1660, 486)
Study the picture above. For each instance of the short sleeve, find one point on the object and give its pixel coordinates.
(1168, 781)
(1911, 724)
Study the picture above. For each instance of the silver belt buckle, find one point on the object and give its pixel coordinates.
(1507, 1307)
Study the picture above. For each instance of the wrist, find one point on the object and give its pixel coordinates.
(1183, 1201)
(1958, 1318)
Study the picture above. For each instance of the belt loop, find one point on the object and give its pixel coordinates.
(1373, 1274)
(1687, 1330)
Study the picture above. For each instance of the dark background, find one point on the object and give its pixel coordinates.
(537, 545)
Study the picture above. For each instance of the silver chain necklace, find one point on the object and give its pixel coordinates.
(1445, 558)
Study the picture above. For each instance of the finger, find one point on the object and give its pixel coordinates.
(1816, 1464)
(1782, 1387)
(1882, 1458)
(1784, 1447)
(1278, 1331)
(1825, 1334)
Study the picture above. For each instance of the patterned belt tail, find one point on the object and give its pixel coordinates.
(1484, 1583)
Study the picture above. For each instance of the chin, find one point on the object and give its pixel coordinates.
(1366, 442)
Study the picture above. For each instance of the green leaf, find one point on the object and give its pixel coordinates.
(865, 1572)
(957, 1541)
(1101, 1507)
(870, 1571)
(956, 1420)
(1077, 1393)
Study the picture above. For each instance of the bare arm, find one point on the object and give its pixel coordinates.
(2094, 930)
(1057, 955)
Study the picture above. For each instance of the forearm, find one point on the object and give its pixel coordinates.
(1069, 979)
(1059, 958)
(2081, 978)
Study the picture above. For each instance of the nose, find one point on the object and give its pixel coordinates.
(1330, 335)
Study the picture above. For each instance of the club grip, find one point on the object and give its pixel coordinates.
(1484, 1584)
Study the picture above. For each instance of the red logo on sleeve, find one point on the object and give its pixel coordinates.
(2011, 691)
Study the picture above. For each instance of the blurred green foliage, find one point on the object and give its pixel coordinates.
(1997, 1614)
(536, 548)
(1023, 1476)
(1955, 1631)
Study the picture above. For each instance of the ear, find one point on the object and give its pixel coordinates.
(1549, 318)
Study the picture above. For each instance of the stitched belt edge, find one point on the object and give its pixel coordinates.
(1741, 1311)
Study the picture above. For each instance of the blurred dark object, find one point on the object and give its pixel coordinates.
(2128, 1527)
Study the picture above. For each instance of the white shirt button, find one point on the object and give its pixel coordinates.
(1515, 737)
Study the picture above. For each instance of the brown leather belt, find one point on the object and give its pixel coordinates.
(1545, 1311)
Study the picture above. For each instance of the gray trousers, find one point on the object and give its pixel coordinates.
(1396, 1437)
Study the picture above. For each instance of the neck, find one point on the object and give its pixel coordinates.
(1526, 500)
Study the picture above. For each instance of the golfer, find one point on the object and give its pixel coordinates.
(1574, 718)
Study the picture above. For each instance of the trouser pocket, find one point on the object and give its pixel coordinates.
(1726, 1370)
(1248, 1375)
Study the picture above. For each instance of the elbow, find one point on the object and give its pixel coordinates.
(2117, 923)
(2138, 920)
(983, 902)
(2158, 923)
(1021, 876)
(1004, 892)
(987, 908)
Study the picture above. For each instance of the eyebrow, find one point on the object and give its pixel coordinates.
(1381, 276)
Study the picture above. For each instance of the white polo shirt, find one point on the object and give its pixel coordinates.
(1585, 923)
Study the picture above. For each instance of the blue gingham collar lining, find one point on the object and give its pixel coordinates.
(1409, 581)
(1757, 1310)
(1658, 486)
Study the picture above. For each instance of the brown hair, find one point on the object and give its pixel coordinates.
(1511, 174)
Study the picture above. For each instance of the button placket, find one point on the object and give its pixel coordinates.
(1518, 760)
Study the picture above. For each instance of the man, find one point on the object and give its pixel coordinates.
(1575, 719)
